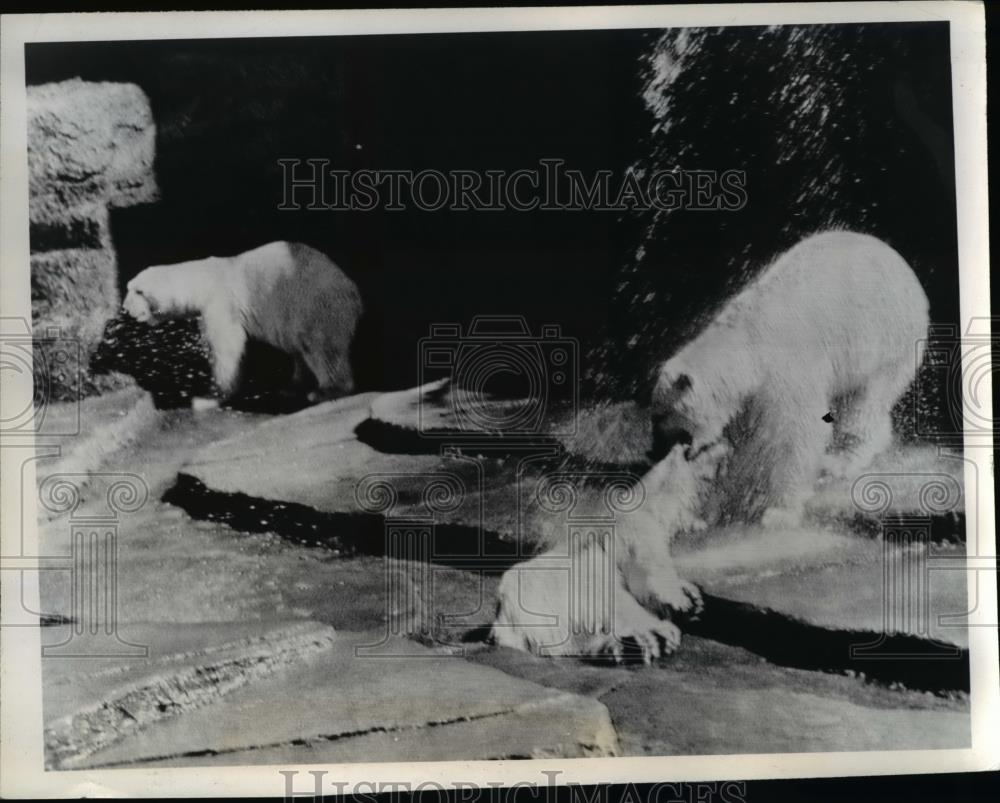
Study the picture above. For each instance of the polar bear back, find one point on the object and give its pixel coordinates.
(838, 306)
(292, 292)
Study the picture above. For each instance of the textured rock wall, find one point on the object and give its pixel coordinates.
(90, 149)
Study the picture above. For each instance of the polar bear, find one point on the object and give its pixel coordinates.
(837, 322)
(287, 295)
(605, 587)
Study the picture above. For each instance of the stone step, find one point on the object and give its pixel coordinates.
(365, 696)
(714, 698)
(695, 711)
(93, 703)
(836, 581)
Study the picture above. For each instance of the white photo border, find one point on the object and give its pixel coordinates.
(22, 771)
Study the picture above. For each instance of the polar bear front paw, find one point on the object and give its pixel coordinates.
(658, 587)
(638, 637)
(693, 602)
(676, 598)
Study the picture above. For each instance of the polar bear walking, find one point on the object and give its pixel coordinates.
(836, 322)
(287, 295)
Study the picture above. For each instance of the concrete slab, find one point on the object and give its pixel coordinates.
(558, 727)
(713, 698)
(674, 714)
(314, 458)
(360, 689)
(837, 581)
(90, 710)
(74, 684)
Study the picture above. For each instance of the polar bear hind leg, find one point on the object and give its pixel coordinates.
(331, 368)
(865, 420)
(321, 340)
(303, 380)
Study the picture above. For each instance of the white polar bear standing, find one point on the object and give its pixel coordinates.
(287, 295)
(837, 322)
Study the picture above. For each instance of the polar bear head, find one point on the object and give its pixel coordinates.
(674, 420)
(138, 305)
(686, 410)
(159, 293)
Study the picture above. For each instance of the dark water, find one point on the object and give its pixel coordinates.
(170, 360)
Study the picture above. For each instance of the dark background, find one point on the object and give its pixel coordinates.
(226, 111)
(879, 160)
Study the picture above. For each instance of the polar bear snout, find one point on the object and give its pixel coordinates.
(670, 430)
(137, 306)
